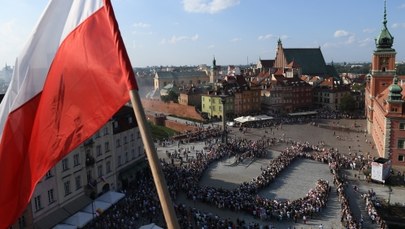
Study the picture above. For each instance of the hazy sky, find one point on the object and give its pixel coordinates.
(191, 32)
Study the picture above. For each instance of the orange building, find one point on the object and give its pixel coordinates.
(384, 101)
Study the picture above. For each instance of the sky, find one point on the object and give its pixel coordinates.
(193, 32)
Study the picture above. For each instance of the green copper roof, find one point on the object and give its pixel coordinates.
(385, 40)
(395, 91)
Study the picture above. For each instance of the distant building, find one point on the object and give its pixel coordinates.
(288, 85)
(384, 100)
(109, 160)
(265, 65)
(310, 59)
(179, 78)
(212, 105)
(192, 96)
(330, 97)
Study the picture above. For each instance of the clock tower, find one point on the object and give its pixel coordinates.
(382, 69)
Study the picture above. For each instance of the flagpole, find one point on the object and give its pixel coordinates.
(157, 173)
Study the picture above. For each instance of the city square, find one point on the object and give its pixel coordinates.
(349, 138)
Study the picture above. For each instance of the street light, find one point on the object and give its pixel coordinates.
(389, 194)
(224, 137)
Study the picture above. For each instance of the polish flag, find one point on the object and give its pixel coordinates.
(72, 76)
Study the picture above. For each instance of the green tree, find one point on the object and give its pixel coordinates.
(172, 96)
(347, 103)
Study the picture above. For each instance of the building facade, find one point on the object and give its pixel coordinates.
(107, 161)
(212, 105)
(182, 78)
(384, 101)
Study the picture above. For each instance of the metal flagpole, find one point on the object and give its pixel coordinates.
(157, 173)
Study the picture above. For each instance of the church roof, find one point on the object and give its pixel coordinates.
(331, 71)
(266, 63)
(310, 59)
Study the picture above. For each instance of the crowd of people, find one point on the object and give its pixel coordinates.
(142, 205)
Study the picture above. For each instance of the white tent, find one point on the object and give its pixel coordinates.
(96, 205)
(244, 119)
(150, 226)
(80, 219)
(64, 226)
(111, 197)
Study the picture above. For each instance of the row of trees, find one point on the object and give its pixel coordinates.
(363, 68)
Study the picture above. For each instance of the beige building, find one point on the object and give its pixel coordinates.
(182, 78)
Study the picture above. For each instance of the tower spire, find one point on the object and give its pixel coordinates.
(385, 40)
(385, 13)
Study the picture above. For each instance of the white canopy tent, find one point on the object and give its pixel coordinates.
(79, 219)
(96, 205)
(244, 119)
(150, 226)
(64, 226)
(111, 197)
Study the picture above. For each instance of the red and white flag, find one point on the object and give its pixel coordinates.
(72, 76)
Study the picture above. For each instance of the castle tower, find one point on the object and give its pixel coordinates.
(382, 69)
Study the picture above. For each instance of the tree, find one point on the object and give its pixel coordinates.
(347, 103)
(171, 96)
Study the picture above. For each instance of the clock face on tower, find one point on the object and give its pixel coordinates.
(384, 60)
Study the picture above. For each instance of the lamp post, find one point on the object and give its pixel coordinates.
(224, 137)
(389, 194)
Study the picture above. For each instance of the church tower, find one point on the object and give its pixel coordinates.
(382, 69)
(214, 71)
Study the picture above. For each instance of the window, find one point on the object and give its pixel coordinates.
(51, 197)
(126, 157)
(21, 222)
(401, 157)
(76, 161)
(100, 170)
(78, 181)
(107, 146)
(48, 174)
(118, 142)
(115, 124)
(65, 164)
(133, 153)
(37, 202)
(401, 144)
(105, 131)
(119, 161)
(98, 150)
(125, 140)
(132, 137)
(108, 166)
(98, 134)
(66, 187)
(402, 126)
